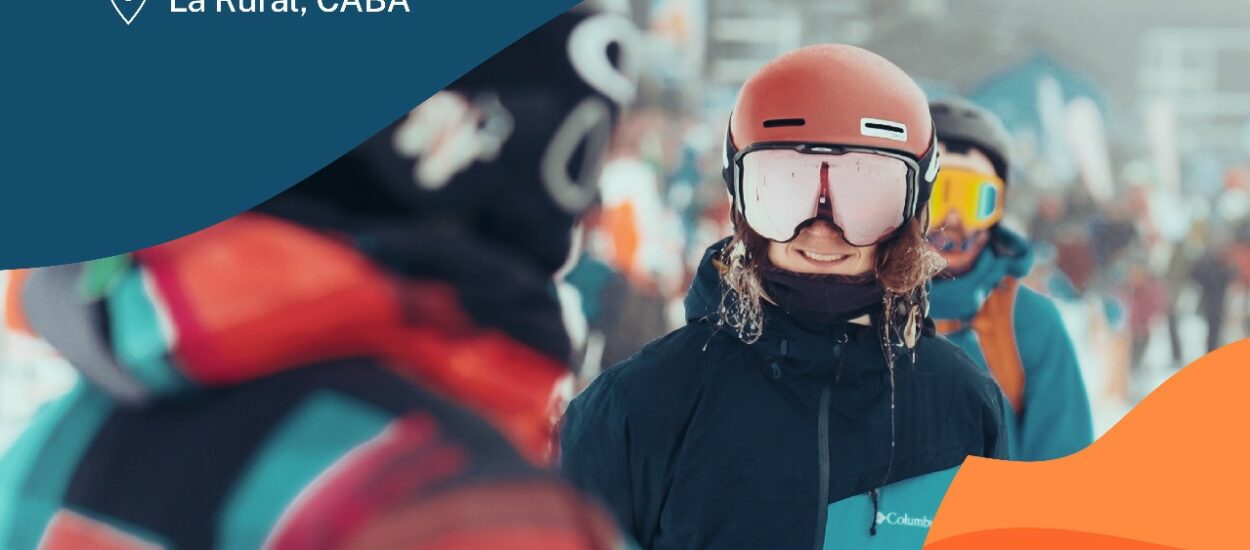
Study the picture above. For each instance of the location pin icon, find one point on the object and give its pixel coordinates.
(129, 9)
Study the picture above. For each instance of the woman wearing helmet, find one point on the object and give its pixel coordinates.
(807, 402)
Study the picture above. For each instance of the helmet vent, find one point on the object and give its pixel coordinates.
(888, 129)
(780, 122)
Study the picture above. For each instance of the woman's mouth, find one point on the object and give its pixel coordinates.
(823, 259)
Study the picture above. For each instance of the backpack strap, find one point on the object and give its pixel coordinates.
(951, 326)
(996, 330)
(994, 325)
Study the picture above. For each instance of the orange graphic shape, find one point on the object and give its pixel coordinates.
(1041, 539)
(1174, 472)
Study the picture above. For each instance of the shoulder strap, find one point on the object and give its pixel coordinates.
(950, 326)
(995, 328)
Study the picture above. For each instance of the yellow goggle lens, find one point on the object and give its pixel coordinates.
(974, 197)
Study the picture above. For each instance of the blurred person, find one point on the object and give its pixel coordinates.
(1117, 243)
(1116, 238)
(1073, 240)
(621, 299)
(807, 402)
(1226, 259)
(1047, 218)
(1178, 274)
(366, 360)
(1045, 277)
(1074, 256)
(1147, 299)
(1232, 204)
(1239, 259)
(978, 301)
(638, 238)
(1214, 275)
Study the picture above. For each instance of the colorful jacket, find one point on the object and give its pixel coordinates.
(1053, 419)
(260, 383)
(702, 440)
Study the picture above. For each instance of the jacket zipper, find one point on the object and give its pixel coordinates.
(822, 510)
(822, 424)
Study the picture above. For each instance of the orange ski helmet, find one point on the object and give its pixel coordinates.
(830, 126)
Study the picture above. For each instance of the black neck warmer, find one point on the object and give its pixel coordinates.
(820, 298)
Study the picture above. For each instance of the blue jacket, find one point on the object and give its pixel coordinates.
(1055, 418)
(702, 440)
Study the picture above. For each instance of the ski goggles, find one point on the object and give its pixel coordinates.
(869, 193)
(975, 198)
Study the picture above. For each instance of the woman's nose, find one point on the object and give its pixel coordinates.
(823, 228)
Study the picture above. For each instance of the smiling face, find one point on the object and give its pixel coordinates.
(819, 248)
(957, 245)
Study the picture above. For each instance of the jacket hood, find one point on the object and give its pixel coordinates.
(704, 297)
(1007, 255)
(257, 295)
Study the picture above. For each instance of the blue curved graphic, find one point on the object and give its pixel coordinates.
(115, 136)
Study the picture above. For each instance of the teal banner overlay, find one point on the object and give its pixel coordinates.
(127, 123)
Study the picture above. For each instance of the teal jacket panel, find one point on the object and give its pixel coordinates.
(900, 520)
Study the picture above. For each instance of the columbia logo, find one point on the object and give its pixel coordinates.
(894, 518)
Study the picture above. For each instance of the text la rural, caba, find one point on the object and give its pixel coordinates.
(288, 6)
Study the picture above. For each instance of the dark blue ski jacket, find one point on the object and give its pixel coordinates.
(702, 440)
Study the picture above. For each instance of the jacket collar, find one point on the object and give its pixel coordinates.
(794, 345)
(960, 298)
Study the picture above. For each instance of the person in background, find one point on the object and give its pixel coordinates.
(364, 361)
(978, 301)
(1147, 299)
(1178, 274)
(807, 402)
(1214, 273)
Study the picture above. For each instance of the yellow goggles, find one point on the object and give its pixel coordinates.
(976, 198)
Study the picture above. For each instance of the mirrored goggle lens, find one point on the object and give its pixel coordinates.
(869, 197)
(781, 189)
